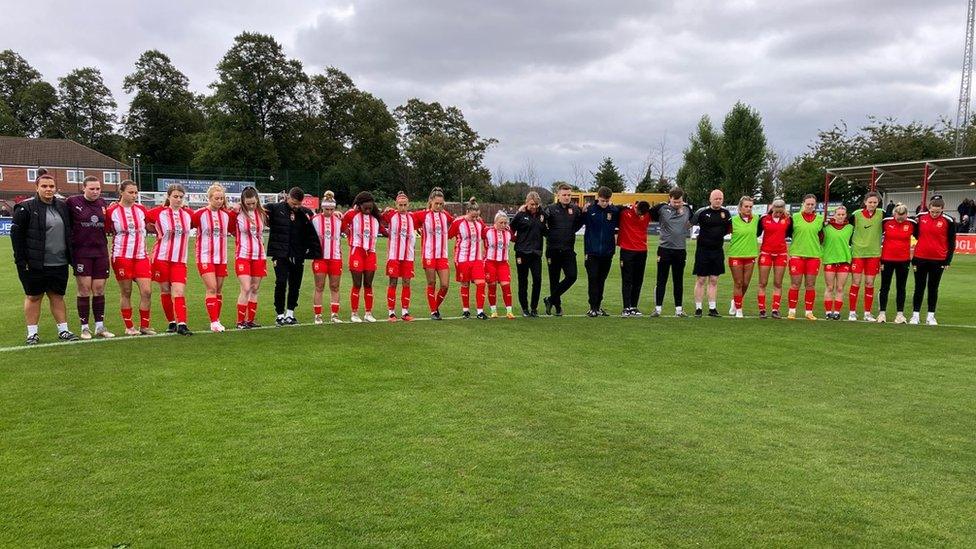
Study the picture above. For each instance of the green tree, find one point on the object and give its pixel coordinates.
(87, 110)
(607, 175)
(164, 116)
(702, 170)
(648, 183)
(30, 101)
(254, 106)
(8, 122)
(440, 149)
(742, 152)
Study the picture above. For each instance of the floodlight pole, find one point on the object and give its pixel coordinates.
(828, 181)
(927, 174)
(874, 179)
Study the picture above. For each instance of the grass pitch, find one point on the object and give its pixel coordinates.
(570, 431)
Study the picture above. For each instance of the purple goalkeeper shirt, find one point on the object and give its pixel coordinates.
(87, 227)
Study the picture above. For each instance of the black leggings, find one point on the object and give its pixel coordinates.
(670, 262)
(928, 273)
(898, 269)
(524, 265)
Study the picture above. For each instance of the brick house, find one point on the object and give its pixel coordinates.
(68, 161)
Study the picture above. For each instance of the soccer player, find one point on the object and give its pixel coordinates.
(362, 225)
(291, 241)
(599, 245)
(251, 263)
(529, 226)
(42, 252)
(936, 234)
(469, 258)
(89, 250)
(674, 217)
(836, 260)
(213, 222)
(328, 228)
(866, 250)
(172, 223)
(433, 224)
(773, 254)
(562, 220)
(896, 257)
(497, 270)
(714, 223)
(806, 228)
(743, 250)
(399, 256)
(127, 222)
(632, 240)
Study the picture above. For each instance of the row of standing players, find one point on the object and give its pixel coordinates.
(861, 243)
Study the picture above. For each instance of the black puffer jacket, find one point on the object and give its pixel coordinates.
(29, 230)
(529, 231)
(562, 222)
(291, 238)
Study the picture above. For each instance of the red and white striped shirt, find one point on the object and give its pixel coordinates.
(433, 227)
(129, 226)
(469, 245)
(329, 231)
(402, 236)
(496, 244)
(250, 236)
(361, 229)
(212, 226)
(172, 233)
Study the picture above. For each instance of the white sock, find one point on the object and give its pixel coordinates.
(711, 304)
(677, 309)
(930, 316)
(792, 311)
(289, 313)
(466, 310)
(508, 309)
(404, 312)
(99, 326)
(31, 330)
(84, 327)
(481, 311)
(494, 308)
(63, 327)
(658, 308)
(698, 305)
(281, 316)
(392, 312)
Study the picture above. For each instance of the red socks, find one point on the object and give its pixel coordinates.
(431, 298)
(368, 299)
(838, 305)
(829, 305)
(479, 295)
(335, 308)
(507, 294)
(493, 294)
(390, 297)
(167, 301)
(405, 297)
(852, 297)
(809, 298)
(868, 299)
(317, 309)
(143, 318)
(354, 299)
(761, 300)
(179, 307)
(777, 300)
(127, 318)
(212, 309)
(465, 297)
(220, 304)
(241, 313)
(793, 297)
(737, 299)
(252, 310)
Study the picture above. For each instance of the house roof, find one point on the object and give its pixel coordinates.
(52, 153)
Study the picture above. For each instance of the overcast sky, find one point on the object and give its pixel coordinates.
(560, 83)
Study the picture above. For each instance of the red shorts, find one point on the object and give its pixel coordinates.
(497, 271)
(469, 271)
(870, 266)
(439, 264)
(741, 261)
(257, 268)
(837, 268)
(327, 267)
(767, 259)
(399, 269)
(218, 269)
(170, 272)
(804, 265)
(131, 269)
(360, 260)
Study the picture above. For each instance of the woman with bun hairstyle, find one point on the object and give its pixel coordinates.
(433, 224)
(328, 227)
(469, 258)
(251, 263)
(172, 222)
(213, 223)
(361, 224)
(896, 260)
(399, 256)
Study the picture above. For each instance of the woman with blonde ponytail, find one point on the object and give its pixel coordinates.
(469, 258)
(328, 227)
(433, 224)
(213, 223)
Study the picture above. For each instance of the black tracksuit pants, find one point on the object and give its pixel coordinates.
(288, 278)
(597, 270)
(526, 264)
(632, 266)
